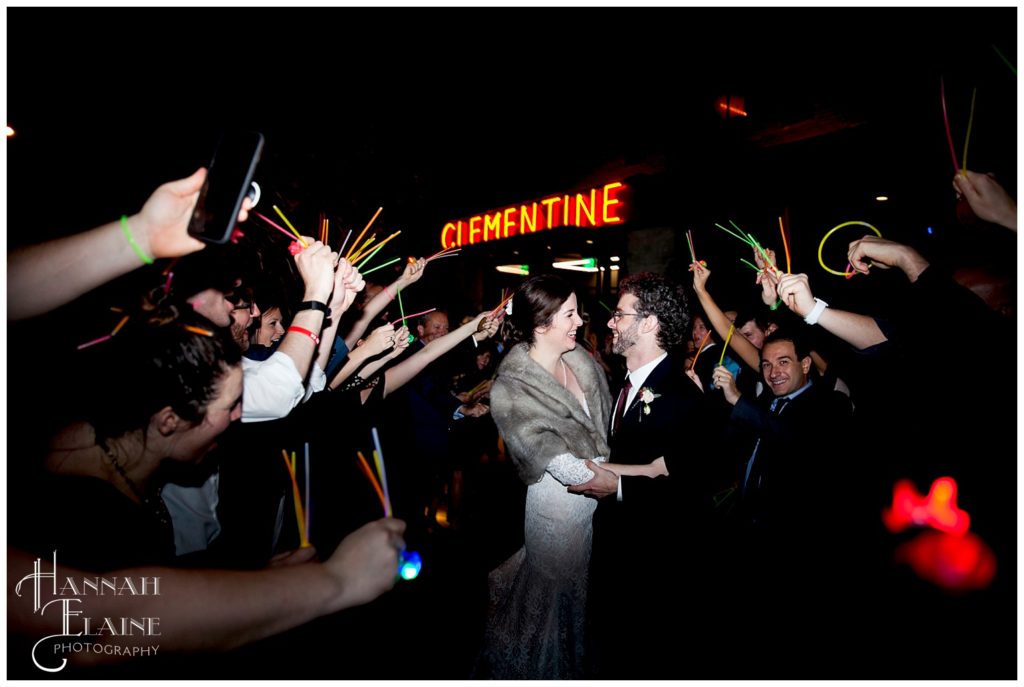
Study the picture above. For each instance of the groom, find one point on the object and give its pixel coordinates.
(661, 514)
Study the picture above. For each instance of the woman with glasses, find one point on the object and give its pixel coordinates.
(551, 404)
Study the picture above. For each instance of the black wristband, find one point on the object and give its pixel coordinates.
(314, 305)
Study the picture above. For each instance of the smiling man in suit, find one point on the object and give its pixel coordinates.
(656, 494)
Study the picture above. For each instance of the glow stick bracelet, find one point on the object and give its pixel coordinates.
(821, 261)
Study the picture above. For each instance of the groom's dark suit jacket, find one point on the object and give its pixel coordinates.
(649, 549)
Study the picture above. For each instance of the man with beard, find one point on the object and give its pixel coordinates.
(660, 498)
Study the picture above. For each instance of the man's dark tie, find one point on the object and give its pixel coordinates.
(620, 405)
(776, 408)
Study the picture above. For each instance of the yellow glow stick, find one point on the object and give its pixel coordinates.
(296, 499)
(821, 261)
(359, 238)
(289, 224)
(732, 328)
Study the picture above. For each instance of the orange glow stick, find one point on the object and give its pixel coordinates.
(358, 238)
(785, 246)
(296, 499)
(119, 325)
(358, 253)
(198, 330)
(700, 348)
(365, 467)
(379, 246)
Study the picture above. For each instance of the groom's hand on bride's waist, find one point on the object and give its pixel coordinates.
(604, 483)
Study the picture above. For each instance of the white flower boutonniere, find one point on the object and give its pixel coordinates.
(647, 398)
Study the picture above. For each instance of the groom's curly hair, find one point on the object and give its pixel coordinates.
(657, 295)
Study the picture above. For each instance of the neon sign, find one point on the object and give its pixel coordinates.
(598, 207)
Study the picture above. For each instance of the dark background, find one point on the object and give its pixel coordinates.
(438, 113)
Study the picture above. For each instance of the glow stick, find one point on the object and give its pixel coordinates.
(970, 121)
(831, 231)
(945, 118)
(358, 238)
(689, 241)
(289, 225)
(700, 348)
(1008, 63)
(345, 242)
(446, 255)
(409, 317)
(365, 260)
(307, 489)
(365, 467)
(355, 254)
(119, 325)
(276, 226)
(378, 455)
(296, 499)
(374, 269)
(732, 328)
(198, 330)
(751, 265)
(732, 233)
(785, 245)
(93, 342)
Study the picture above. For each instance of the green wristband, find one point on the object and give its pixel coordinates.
(131, 241)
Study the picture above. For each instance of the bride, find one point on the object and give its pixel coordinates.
(551, 404)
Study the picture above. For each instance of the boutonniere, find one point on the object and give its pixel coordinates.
(647, 398)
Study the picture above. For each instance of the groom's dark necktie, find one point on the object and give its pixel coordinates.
(620, 405)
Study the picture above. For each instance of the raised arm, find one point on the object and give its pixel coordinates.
(746, 350)
(48, 275)
(987, 198)
(859, 331)
(410, 275)
(347, 283)
(316, 266)
(480, 327)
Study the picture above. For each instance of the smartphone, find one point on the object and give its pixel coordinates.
(227, 183)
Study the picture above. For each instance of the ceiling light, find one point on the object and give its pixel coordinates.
(881, 199)
(581, 265)
(521, 270)
(614, 258)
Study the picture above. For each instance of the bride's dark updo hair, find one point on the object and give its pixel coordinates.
(536, 301)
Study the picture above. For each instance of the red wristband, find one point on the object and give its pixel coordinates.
(301, 330)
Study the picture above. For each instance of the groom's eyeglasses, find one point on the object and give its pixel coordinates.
(618, 315)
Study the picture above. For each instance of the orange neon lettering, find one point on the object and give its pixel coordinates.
(609, 201)
(459, 234)
(474, 229)
(492, 222)
(526, 218)
(565, 211)
(589, 212)
(444, 242)
(506, 222)
(549, 205)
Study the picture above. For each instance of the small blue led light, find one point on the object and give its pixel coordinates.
(409, 565)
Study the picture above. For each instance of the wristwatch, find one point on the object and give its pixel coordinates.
(316, 305)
